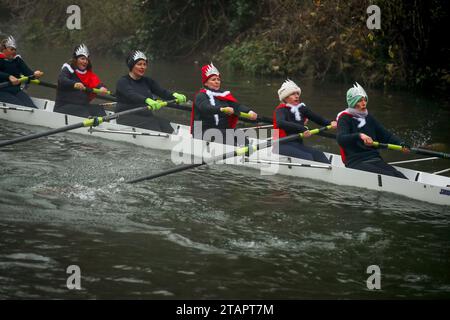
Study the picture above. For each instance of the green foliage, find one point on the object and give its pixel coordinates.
(330, 40)
(317, 39)
(107, 26)
(251, 55)
(180, 27)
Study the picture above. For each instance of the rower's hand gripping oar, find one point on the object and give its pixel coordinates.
(396, 147)
(238, 152)
(85, 123)
(243, 116)
(21, 80)
(185, 107)
(31, 79)
(263, 119)
(101, 94)
(110, 97)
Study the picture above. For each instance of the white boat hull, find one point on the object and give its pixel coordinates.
(420, 186)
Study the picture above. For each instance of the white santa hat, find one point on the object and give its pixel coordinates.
(287, 88)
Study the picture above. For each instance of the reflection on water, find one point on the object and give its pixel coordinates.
(215, 232)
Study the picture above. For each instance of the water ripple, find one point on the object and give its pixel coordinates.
(223, 231)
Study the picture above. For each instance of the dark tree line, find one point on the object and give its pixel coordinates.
(317, 39)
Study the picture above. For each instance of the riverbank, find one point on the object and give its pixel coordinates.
(326, 41)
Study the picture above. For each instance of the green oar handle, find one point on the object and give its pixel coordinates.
(389, 146)
(97, 91)
(424, 152)
(43, 83)
(25, 79)
(21, 80)
(245, 115)
(108, 96)
(316, 131)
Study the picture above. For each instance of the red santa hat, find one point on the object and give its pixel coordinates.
(208, 71)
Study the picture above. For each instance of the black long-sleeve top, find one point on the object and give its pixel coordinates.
(132, 93)
(15, 67)
(66, 93)
(285, 120)
(353, 148)
(210, 115)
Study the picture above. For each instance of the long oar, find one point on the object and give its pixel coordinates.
(243, 116)
(396, 147)
(270, 120)
(100, 94)
(110, 97)
(258, 119)
(30, 79)
(237, 152)
(85, 123)
(21, 80)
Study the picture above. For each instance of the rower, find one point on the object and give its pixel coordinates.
(357, 129)
(12, 67)
(214, 108)
(134, 90)
(291, 117)
(75, 76)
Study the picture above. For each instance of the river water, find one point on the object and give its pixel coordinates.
(216, 232)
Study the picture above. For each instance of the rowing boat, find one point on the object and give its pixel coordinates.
(422, 186)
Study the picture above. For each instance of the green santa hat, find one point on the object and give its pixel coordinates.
(354, 94)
